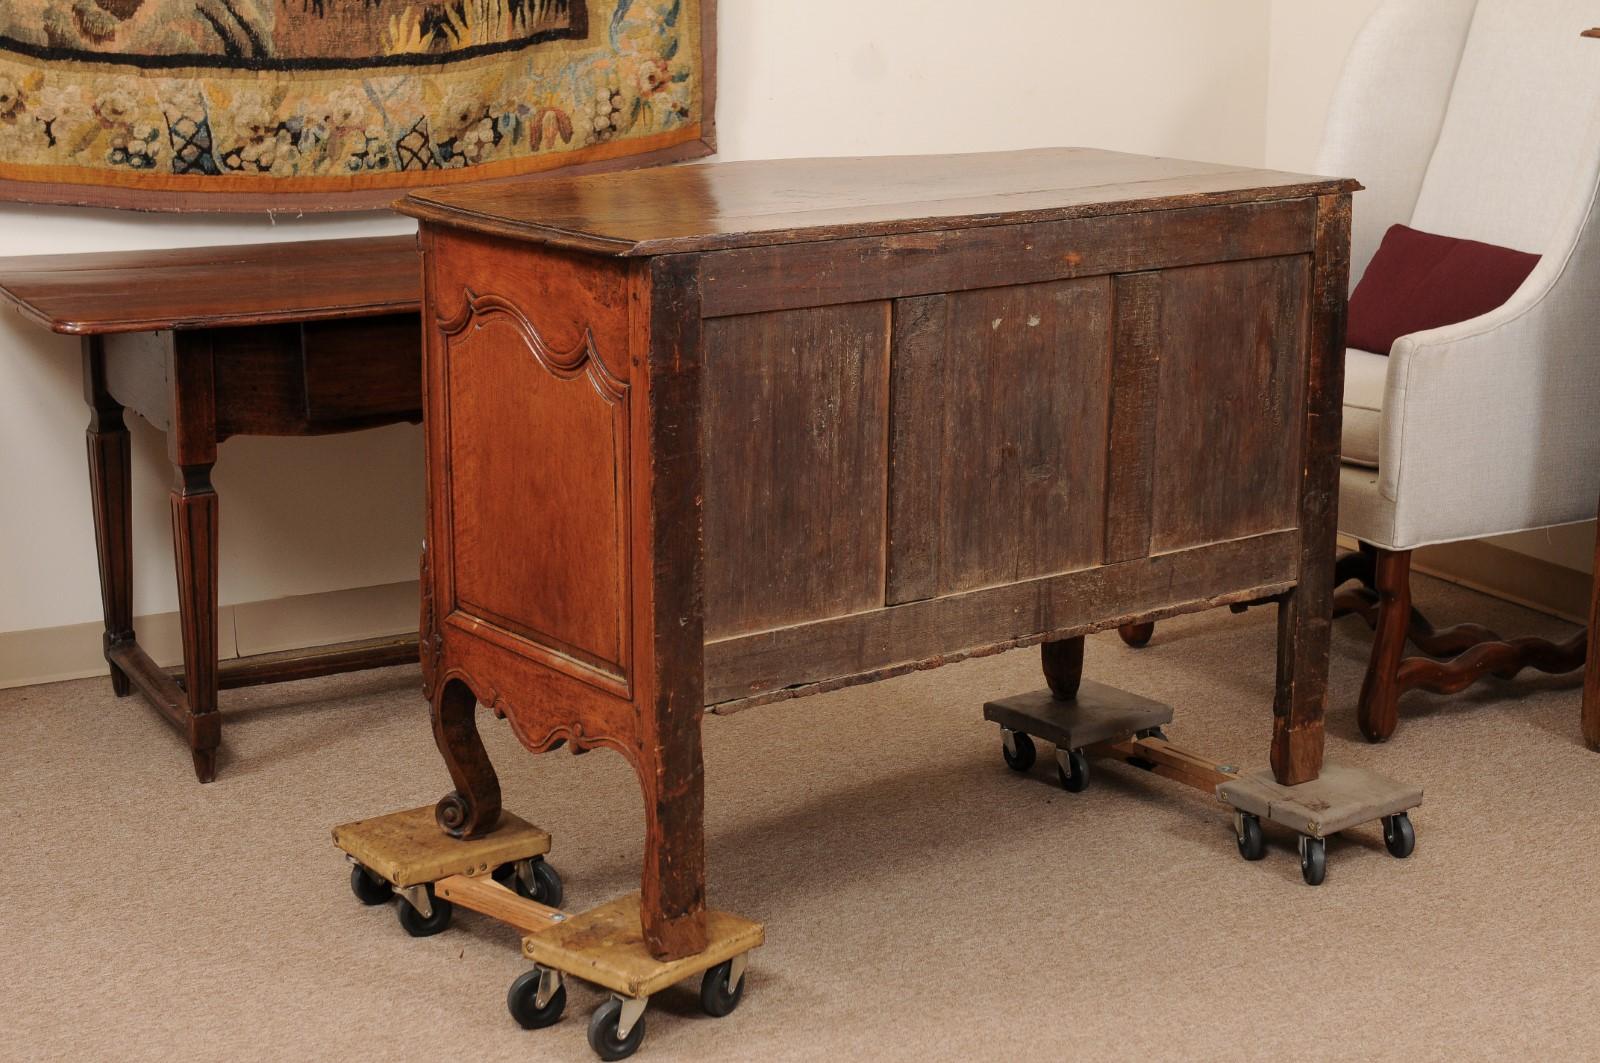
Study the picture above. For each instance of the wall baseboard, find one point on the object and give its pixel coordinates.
(53, 654)
(49, 655)
(1513, 576)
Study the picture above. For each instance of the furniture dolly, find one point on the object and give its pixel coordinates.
(290, 339)
(1082, 717)
(503, 874)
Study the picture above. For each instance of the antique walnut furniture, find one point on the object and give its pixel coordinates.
(1475, 119)
(204, 344)
(731, 434)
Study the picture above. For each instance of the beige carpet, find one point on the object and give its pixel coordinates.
(922, 901)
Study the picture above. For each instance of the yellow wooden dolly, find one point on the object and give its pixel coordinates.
(504, 875)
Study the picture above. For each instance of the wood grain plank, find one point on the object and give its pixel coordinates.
(1022, 444)
(1060, 606)
(815, 273)
(1135, 378)
(916, 402)
(796, 428)
(1232, 388)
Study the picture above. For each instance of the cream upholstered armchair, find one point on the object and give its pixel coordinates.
(1477, 119)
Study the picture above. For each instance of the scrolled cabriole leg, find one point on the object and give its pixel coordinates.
(473, 808)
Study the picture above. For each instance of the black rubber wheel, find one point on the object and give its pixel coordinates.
(547, 887)
(419, 927)
(1076, 780)
(1313, 860)
(1252, 842)
(716, 999)
(522, 1002)
(1025, 755)
(603, 1032)
(369, 888)
(1399, 835)
(1153, 732)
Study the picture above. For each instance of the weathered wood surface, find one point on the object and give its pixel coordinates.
(756, 279)
(604, 946)
(1135, 390)
(1070, 604)
(1011, 428)
(407, 849)
(1341, 797)
(796, 405)
(1305, 617)
(746, 204)
(1227, 456)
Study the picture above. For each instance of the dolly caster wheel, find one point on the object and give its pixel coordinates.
(605, 1030)
(537, 999)
(1399, 835)
(1137, 635)
(1073, 770)
(421, 926)
(1018, 750)
(1252, 842)
(546, 887)
(369, 888)
(1153, 732)
(1313, 860)
(722, 987)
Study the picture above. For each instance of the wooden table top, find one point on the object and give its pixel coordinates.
(215, 287)
(742, 204)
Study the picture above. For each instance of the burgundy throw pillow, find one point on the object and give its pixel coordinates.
(1420, 281)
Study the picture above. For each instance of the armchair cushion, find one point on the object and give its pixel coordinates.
(1365, 376)
(1419, 281)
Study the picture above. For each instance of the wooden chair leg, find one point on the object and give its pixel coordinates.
(111, 494)
(1380, 691)
(194, 542)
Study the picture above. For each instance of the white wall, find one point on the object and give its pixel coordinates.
(828, 77)
(1306, 53)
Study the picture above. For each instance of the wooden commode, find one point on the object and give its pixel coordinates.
(721, 435)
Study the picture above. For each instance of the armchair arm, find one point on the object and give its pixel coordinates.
(1493, 425)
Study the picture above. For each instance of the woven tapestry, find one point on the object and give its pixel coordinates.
(322, 104)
